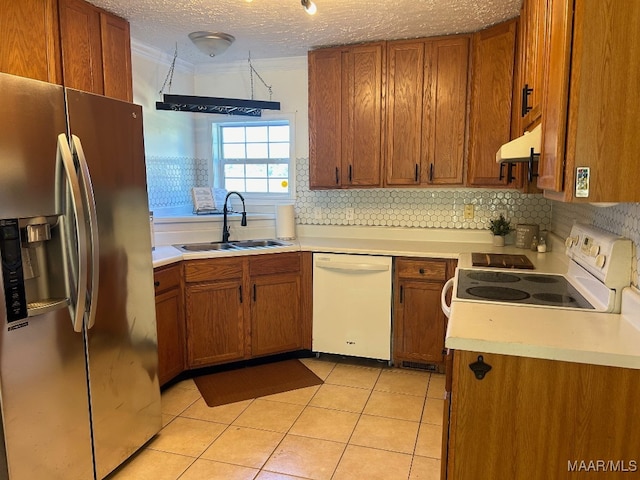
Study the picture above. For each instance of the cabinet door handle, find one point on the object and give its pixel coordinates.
(156, 283)
(337, 176)
(254, 292)
(421, 271)
(240, 291)
(350, 169)
(431, 172)
(526, 91)
(401, 294)
(501, 176)
(417, 174)
(532, 157)
(479, 368)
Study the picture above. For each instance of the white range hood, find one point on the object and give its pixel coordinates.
(519, 149)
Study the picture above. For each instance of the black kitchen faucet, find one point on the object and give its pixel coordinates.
(225, 211)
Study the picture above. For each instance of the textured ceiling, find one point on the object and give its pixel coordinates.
(281, 28)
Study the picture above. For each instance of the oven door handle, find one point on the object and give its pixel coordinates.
(443, 297)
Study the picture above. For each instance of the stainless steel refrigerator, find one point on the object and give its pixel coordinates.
(79, 389)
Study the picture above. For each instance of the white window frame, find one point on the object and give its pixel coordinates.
(217, 166)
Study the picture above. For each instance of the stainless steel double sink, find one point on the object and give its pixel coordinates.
(234, 245)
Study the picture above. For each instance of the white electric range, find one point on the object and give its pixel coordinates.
(599, 268)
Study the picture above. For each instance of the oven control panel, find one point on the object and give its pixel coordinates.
(603, 254)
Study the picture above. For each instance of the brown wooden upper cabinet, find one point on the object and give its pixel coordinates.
(426, 111)
(493, 54)
(30, 42)
(532, 37)
(346, 112)
(96, 50)
(590, 142)
(69, 42)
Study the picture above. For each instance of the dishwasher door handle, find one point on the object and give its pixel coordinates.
(354, 267)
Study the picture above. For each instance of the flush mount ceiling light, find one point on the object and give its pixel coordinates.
(212, 44)
(309, 6)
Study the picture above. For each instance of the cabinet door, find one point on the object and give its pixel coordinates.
(362, 114)
(29, 35)
(325, 120)
(540, 414)
(116, 57)
(533, 25)
(215, 326)
(404, 112)
(276, 314)
(170, 326)
(419, 322)
(445, 112)
(491, 90)
(81, 46)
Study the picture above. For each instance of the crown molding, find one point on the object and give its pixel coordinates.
(160, 57)
(281, 63)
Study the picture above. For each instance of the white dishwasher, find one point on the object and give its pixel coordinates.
(352, 305)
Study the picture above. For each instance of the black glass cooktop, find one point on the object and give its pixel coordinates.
(520, 288)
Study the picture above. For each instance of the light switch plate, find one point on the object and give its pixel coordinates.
(469, 211)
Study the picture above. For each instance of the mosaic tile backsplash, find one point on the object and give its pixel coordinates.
(622, 219)
(422, 208)
(169, 180)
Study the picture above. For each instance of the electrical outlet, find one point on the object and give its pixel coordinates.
(317, 213)
(469, 211)
(350, 214)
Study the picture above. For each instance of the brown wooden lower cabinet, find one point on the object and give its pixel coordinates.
(245, 307)
(170, 322)
(539, 419)
(419, 324)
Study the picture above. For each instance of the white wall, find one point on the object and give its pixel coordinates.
(167, 134)
(287, 78)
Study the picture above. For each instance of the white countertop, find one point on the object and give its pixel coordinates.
(556, 334)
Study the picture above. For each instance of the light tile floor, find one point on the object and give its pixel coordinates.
(364, 422)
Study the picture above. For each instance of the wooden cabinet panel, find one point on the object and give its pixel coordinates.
(275, 263)
(116, 57)
(213, 269)
(325, 118)
(345, 116)
(363, 109)
(30, 43)
(493, 54)
(404, 112)
(532, 35)
(420, 321)
(445, 112)
(81, 46)
(597, 103)
(215, 323)
(170, 322)
(419, 324)
(171, 338)
(276, 324)
(518, 412)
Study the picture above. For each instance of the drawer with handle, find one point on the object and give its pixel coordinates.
(166, 278)
(423, 269)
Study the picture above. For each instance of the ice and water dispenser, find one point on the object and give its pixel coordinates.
(33, 266)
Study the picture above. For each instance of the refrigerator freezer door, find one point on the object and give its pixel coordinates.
(122, 344)
(43, 382)
(32, 118)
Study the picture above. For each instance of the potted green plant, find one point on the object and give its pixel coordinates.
(500, 227)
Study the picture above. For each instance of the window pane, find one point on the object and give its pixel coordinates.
(276, 186)
(232, 134)
(257, 150)
(234, 184)
(279, 170)
(234, 170)
(279, 133)
(257, 134)
(256, 170)
(233, 150)
(278, 150)
(257, 185)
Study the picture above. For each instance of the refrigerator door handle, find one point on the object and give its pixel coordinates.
(66, 173)
(90, 203)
